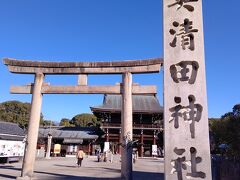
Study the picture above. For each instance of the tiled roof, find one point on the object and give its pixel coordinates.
(141, 104)
(69, 132)
(11, 131)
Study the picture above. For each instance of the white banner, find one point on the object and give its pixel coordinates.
(106, 146)
(154, 150)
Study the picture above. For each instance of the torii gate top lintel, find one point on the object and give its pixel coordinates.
(109, 67)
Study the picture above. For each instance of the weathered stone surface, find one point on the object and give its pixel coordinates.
(83, 89)
(45, 64)
(126, 122)
(85, 70)
(31, 67)
(187, 151)
(32, 134)
(82, 79)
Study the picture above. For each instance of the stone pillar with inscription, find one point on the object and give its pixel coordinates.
(187, 150)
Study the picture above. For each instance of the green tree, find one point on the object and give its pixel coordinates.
(85, 120)
(66, 122)
(47, 123)
(227, 131)
(217, 128)
(236, 110)
(16, 112)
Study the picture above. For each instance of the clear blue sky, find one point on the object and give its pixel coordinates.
(98, 30)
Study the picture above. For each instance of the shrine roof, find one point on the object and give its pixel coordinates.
(69, 132)
(11, 131)
(141, 104)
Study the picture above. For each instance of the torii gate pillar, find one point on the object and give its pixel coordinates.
(126, 121)
(33, 126)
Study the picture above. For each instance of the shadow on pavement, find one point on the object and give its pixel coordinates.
(68, 177)
(7, 167)
(2, 176)
(11, 167)
(109, 169)
(60, 165)
(139, 175)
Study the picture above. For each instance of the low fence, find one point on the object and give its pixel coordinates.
(225, 170)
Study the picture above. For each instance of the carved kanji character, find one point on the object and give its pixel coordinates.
(191, 113)
(179, 164)
(184, 71)
(176, 112)
(183, 3)
(185, 32)
(193, 164)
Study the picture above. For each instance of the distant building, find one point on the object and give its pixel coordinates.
(12, 142)
(68, 139)
(147, 121)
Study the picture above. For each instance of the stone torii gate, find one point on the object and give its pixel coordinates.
(82, 69)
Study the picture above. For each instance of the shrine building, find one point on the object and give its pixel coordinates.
(147, 122)
(67, 140)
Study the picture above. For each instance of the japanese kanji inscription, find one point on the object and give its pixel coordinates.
(185, 102)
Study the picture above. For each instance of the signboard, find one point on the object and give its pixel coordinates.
(106, 146)
(72, 148)
(154, 150)
(57, 148)
(11, 148)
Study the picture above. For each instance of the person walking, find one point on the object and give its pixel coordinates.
(80, 156)
(98, 153)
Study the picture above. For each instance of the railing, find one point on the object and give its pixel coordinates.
(135, 126)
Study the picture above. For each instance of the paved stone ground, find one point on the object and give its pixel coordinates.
(61, 168)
